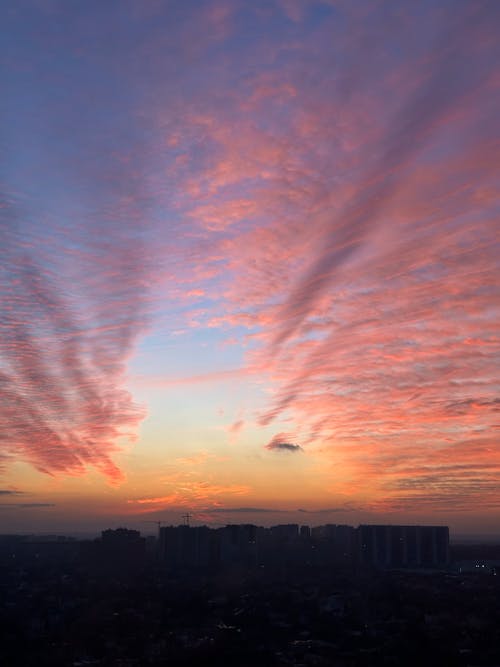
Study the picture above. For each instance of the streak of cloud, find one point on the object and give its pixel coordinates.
(6, 506)
(348, 507)
(63, 407)
(447, 81)
(324, 197)
(241, 510)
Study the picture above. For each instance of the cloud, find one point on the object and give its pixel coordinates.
(348, 507)
(241, 510)
(10, 492)
(236, 426)
(330, 206)
(157, 500)
(214, 377)
(280, 443)
(187, 492)
(25, 505)
(365, 272)
(74, 298)
(60, 382)
(195, 460)
(443, 86)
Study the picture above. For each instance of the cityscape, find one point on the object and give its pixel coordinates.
(249, 333)
(285, 595)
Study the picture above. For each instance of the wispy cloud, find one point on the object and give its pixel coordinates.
(236, 426)
(325, 196)
(185, 492)
(375, 321)
(347, 507)
(7, 506)
(241, 510)
(63, 406)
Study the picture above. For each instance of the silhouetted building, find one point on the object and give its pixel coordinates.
(333, 544)
(45, 550)
(305, 533)
(284, 546)
(119, 551)
(238, 545)
(286, 532)
(187, 547)
(403, 546)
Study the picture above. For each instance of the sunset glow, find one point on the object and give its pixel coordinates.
(249, 263)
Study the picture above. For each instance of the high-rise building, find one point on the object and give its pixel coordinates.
(186, 547)
(305, 533)
(118, 551)
(403, 546)
(333, 544)
(238, 545)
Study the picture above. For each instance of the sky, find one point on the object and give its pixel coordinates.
(249, 263)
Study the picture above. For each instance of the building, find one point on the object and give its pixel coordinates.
(388, 547)
(186, 547)
(119, 552)
(238, 545)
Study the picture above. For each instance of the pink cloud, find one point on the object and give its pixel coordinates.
(236, 426)
(365, 269)
(193, 493)
(327, 204)
(66, 333)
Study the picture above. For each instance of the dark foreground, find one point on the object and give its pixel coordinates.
(57, 613)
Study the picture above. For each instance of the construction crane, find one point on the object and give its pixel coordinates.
(186, 518)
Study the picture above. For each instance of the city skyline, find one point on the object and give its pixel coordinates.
(249, 264)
